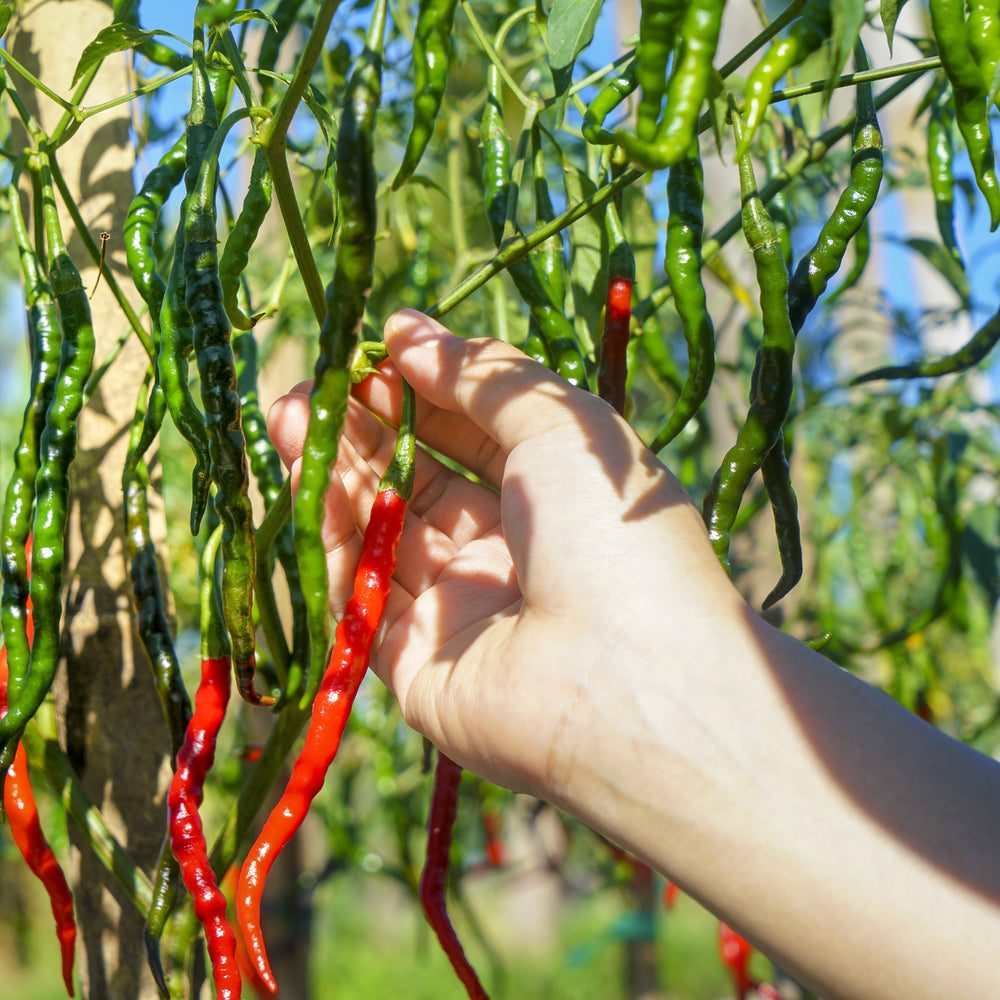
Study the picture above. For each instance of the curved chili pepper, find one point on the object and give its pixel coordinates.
(776, 474)
(346, 297)
(26, 831)
(175, 322)
(951, 32)
(697, 40)
(616, 90)
(658, 24)
(19, 500)
(940, 153)
(236, 252)
(343, 676)
(772, 383)
(223, 422)
(685, 223)
(984, 38)
(736, 952)
(806, 285)
(539, 281)
(431, 58)
(806, 34)
(821, 263)
(981, 343)
(434, 879)
(194, 760)
(57, 451)
(613, 368)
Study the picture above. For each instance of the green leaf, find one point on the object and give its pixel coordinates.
(5, 11)
(254, 15)
(944, 263)
(115, 38)
(570, 28)
(890, 12)
(848, 17)
(588, 256)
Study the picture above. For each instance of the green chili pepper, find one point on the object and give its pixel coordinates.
(175, 323)
(658, 24)
(697, 39)
(56, 453)
(236, 252)
(984, 38)
(816, 268)
(539, 281)
(165, 885)
(431, 58)
(140, 253)
(223, 423)
(346, 297)
(546, 286)
(970, 92)
(982, 342)
(267, 470)
(19, 500)
(940, 153)
(772, 384)
(806, 34)
(777, 479)
(154, 632)
(618, 89)
(685, 194)
(862, 251)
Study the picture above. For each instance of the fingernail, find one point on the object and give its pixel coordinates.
(418, 329)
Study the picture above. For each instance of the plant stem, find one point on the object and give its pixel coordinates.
(64, 783)
(491, 51)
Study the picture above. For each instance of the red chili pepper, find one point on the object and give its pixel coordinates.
(187, 840)
(26, 829)
(736, 952)
(434, 880)
(248, 971)
(341, 680)
(614, 343)
(194, 760)
(496, 851)
(670, 894)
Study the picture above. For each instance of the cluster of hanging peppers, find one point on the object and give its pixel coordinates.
(199, 305)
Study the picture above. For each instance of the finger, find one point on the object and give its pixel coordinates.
(454, 505)
(507, 395)
(440, 530)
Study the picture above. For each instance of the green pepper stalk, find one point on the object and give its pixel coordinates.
(346, 297)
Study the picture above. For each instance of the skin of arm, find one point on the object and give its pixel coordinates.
(563, 628)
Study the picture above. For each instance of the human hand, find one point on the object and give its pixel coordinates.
(520, 602)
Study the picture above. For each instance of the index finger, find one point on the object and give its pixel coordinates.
(508, 396)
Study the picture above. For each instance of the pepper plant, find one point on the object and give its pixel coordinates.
(307, 168)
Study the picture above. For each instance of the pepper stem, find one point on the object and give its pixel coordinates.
(398, 477)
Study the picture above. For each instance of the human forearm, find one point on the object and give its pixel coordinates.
(848, 839)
